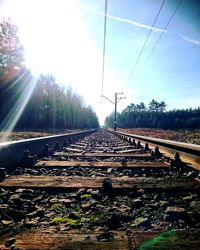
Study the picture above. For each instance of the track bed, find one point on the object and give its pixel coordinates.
(100, 192)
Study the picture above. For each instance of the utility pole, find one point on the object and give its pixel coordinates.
(115, 120)
(115, 103)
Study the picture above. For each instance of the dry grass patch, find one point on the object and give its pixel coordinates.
(22, 135)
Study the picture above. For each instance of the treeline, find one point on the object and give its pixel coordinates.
(27, 102)
(155, 116)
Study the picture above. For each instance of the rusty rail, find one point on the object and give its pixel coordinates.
(12, 152)
(189, 153)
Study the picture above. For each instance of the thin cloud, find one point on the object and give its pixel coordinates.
(124, 20)
(140, 25)
(143, 26)
(190, 40)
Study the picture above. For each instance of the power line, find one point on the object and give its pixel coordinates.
(104, 46)
(161, 35)
(146, 39)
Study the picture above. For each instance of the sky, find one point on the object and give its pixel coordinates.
(65, 38)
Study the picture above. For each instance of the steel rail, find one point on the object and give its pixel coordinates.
(12, 152)
(189, 153)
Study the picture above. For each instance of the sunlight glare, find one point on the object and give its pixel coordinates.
(57, 41)
(50, 31)
(17, 109)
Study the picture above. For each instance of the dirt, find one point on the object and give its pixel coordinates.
(22, 135)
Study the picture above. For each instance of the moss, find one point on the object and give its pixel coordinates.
(94, 219)
(74, 222)
(86, 196)
(56, 206)
(58, 220)
(71, 222)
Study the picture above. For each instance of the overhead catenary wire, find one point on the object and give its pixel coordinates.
(144, 45)
(104, 46)
(161, 35)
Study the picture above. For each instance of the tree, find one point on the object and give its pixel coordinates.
(53, 107)
(153, 106)
(136, 115)
(162, 107)
(11, 51)
(141, 107)
(11, 66)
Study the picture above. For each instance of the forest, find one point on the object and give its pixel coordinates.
(29, 102)
(155, 116)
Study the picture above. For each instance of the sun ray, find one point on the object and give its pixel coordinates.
(16, 111)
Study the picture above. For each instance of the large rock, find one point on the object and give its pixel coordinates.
(38, 198)
(93, 192)
(14, 214)
(10, 242)
(20, 190)
(137, 203)
(105, 236)
(114, 221)
(107, 187)
(143, 222)
(67, 202)
(27, 195)
(174, 214)
(4, 206)
(74, 215)
(6, 222)
(15, 196)
(175, 210)
(38, 213)
(190, 197)
(54, 200)
(86, 206)
(31, 223)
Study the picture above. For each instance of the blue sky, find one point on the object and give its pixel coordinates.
(171, 74)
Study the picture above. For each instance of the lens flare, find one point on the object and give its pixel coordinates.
(17, 109)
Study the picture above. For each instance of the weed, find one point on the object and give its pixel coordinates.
(56, 206)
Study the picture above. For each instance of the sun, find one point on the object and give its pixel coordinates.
(57, 40)
(48, 31)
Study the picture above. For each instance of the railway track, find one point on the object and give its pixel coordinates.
(98, 190)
